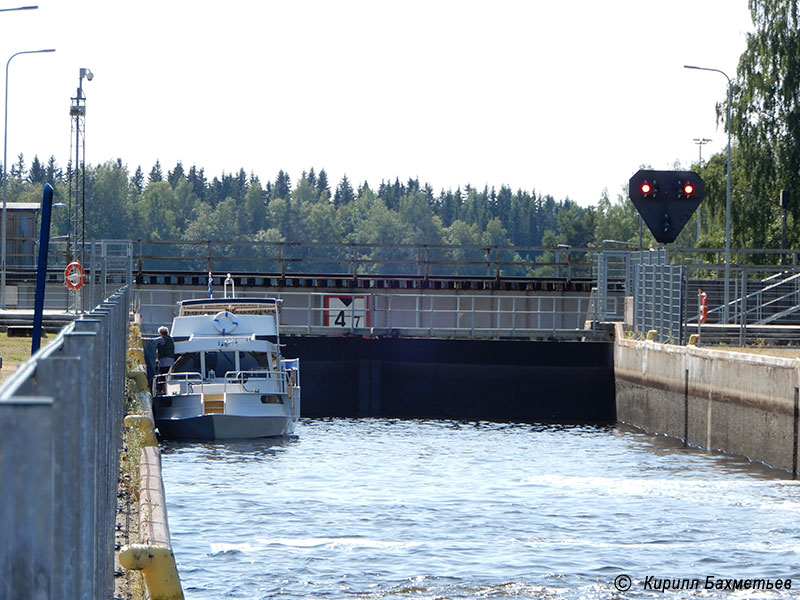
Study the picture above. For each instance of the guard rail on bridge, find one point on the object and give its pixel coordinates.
(443, 315)
(278, 266)
(284, 259)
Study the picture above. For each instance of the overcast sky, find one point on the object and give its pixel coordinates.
(564, 97)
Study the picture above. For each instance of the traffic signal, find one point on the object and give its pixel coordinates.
(666, 200)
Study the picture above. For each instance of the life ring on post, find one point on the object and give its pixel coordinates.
(703, 306)
(74, 276)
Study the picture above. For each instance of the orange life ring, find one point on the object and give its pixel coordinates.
(74, 276)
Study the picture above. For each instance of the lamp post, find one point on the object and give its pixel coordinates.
(700, 143)
(725, 306)
(19, 8)
(4, 223)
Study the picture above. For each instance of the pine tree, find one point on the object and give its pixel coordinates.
(138, 180)
(52, 173)
(282, 187)
(344, 193)
(37, 174)
(364, 187)
(176, 175)
(18, 169)
(197, 179)
(155, 173)
(322, 183)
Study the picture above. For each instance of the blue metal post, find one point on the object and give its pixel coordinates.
(41, 267)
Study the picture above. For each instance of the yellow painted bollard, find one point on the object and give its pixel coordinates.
(145, 425)
(694, 339)
(157, 564)
(153, 554)
(139, 377)
(136, 353)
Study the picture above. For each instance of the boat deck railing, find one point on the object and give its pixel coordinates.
(188, 382)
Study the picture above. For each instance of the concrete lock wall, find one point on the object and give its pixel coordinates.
(61, 430)
(738, 403)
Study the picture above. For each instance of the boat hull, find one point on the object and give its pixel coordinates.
(225, 427)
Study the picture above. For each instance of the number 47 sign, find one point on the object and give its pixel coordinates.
(346, 311)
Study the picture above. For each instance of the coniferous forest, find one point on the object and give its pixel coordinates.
(188, 204)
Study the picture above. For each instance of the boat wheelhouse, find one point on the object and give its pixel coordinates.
(229, 380)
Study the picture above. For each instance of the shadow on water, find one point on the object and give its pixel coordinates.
(252, 449)
(663, 446)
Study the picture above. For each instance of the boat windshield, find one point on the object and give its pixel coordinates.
(187, 363)
(253, 361)
(220, 362)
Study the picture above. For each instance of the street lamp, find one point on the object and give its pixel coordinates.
(700, 143)
(19, 8)
(725, 306)
(4, 223)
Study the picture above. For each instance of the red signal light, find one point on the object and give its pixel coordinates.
(688, 189)
(648, 188)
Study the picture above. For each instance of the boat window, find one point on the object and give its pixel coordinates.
(187, 363)
(252, 361)
(220, 362)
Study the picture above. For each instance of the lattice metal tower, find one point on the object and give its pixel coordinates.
(77, 175)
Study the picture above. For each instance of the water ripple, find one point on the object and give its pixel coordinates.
(441, 509)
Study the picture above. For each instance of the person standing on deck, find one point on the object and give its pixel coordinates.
(165, 350)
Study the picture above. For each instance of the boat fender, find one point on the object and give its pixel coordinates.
(225, 322)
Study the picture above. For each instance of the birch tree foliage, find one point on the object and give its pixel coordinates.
(766, 103)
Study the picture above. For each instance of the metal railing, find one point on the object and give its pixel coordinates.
(283, 259)
(189, 381)
(109, 267)
(61, 425)
(345, 259)
(427, 315)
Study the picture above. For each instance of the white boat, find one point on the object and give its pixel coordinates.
(229, 380)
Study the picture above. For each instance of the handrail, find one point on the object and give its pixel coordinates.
(462, 315)
(242, 377)
(282, 259)
(190, 379)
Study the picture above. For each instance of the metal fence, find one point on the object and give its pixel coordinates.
(109, 266)
(417, 260)
(659, 291)
(60, 425)
(353, 260)
(439, 314)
